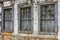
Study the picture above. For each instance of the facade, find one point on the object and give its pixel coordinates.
(37, 17)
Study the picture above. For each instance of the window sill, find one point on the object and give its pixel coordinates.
(26, 32)
(48, 33)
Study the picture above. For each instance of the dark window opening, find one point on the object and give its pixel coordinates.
(47, 23)
(25, 19)
(7, 20)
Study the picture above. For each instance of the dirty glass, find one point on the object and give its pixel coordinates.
(47, 23)
(25, 19)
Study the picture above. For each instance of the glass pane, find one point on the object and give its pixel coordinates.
(8, 14)
(48, 26)
(48, 11)
(21, 11)
(8, 25)
(53, 26)
(25, 25)
(28, 10)
(43, 12)
(24, 14)
(43, 24)
(21, 25)
(52, 11)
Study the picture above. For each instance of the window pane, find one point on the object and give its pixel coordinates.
(8, 14)
(48, 26)
(53, 26)
(52, 11)
(25, 25)
(8, 25)
(48, 11)
(43, 11)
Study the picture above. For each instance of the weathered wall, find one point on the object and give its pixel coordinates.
(31, 37)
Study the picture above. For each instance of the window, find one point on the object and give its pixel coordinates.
(7, 20)
(25, 19)
(47, 23)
